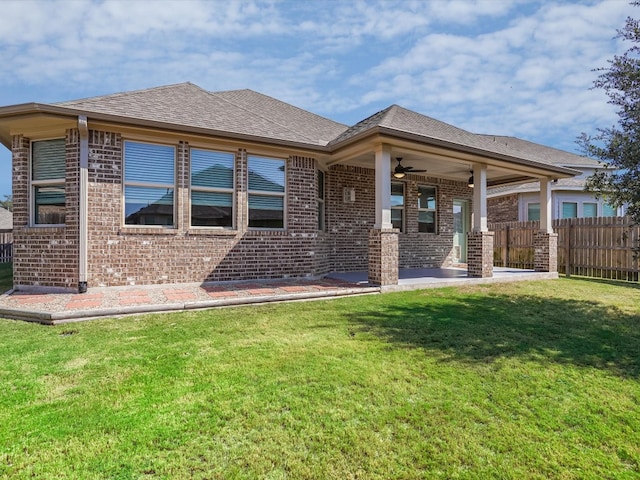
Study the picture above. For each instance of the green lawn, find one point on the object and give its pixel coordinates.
(521, 381)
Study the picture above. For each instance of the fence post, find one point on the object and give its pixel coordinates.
(505, 249)
(567, 250)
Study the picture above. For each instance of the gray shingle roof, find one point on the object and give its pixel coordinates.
(547, 154)
(6, 219)
(561, 184)
(407, 121)
(241, 111)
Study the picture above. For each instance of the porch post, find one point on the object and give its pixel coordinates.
(545, 241)
(383, 238)
(480, 239)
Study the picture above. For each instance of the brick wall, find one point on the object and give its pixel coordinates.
(480, 254)
(349, 223)
(141, 255)
(45, 256)
(502, 209)
(125, 255)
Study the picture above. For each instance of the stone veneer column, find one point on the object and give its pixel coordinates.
(545, 257)
(383, 256)
(480, 254)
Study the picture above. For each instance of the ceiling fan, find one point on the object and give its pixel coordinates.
(400, 171)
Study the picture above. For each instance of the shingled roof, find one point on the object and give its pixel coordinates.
(243, 112)
(547, 154)
(6, 219)
(404, 121)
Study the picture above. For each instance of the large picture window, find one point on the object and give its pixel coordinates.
(48, 164)
(426, 209)
(149, 176)
(212, 181)
(266, 192)
(397, 205)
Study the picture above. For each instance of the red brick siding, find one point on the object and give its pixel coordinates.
(502, 209)
(124, 255)
(45, 256)
(349, 222)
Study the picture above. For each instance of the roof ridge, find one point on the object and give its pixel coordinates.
(252, 112)
(129, 92)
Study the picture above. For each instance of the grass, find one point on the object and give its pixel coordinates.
(528, 380)
(6, 277)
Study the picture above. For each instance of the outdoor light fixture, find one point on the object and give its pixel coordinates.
(470, 182)
(399, 174)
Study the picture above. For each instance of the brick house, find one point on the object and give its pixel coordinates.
(521, 202)
(177, 184)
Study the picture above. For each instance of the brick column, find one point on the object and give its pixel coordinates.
(383, 256)
(480, 254)
(545, 257)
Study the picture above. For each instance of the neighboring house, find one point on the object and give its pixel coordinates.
(177, 184)
(512, 203)
(6, 219)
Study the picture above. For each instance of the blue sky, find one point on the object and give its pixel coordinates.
(505, 67)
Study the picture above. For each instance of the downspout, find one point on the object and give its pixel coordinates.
(83, 232)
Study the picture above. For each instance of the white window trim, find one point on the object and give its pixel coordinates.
(265, 193)
(434, 210)
(198, 188)
(126, 183)
(37, 183)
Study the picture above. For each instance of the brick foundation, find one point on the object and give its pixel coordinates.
(480, 254)
(383, 256)
(545, 257)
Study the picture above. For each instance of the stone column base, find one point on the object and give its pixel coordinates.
(383, 256)
(480, 254)
(545, 256)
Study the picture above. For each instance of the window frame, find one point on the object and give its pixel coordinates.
(434, 210)
(154, 185)
(528, 211)
(33, 184)
(199, 188)
(267, 193)
(402, 208)
(577, 205)
(321, 200)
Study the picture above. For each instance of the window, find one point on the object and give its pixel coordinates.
(426, 209)
(569, 209)
(48, 164)
(397, 205)
(212, 180)
(149, 183)
(266, 192)
(589, 209)
(609, 211)
(533, 212)
(320, 200)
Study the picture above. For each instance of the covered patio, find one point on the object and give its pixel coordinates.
(422, 278)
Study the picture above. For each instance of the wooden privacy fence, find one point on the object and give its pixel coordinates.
(6, 246)
(599, 247)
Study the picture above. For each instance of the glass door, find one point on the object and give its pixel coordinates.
(461, 223)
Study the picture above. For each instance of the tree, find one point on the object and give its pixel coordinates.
(7, 202)
(618, 147)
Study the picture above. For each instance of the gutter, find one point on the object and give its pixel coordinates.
(328, 149)
(83, 231)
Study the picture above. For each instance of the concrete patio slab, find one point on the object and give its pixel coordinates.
(53, 307)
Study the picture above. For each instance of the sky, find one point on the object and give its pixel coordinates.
(505, 67)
